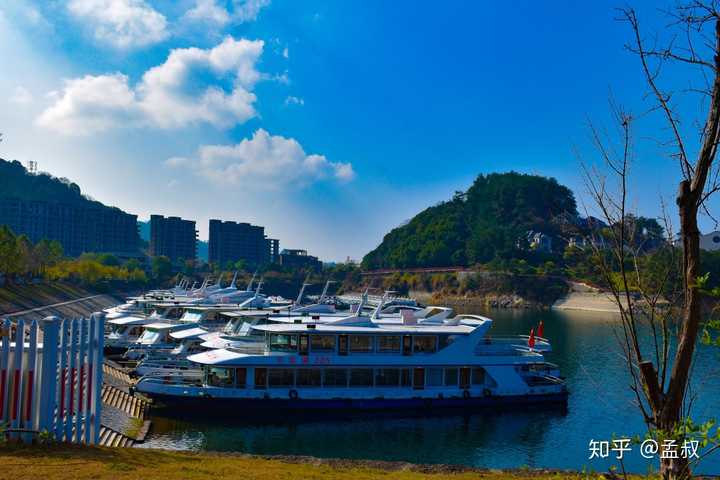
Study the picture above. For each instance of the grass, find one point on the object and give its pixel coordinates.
(73, 462)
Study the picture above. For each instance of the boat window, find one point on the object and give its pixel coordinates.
(322, 343)
(407, 345)
(244, 329)
(445, 340)
(387, 377)
(304, 344)
(418, 378)
(424, 343)
(360, 343)
(283, 343)
(451, 377)
(308, 377)
(434, 377)
(260, 378)
(464, 377)
(478, 376)
(388, 343)
(240, 377)
(342, 345)
(149, 336)
(281, 377)
(361, 377)
(191, 317)
(221, 377)
(405, 378)
(335, 377)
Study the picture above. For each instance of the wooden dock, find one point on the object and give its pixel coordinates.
(123, 419)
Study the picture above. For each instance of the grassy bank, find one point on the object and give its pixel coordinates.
(65, 462)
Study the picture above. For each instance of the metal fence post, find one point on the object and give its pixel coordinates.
(98, 371)
(17, 390)
(4, 370)
(47, 401)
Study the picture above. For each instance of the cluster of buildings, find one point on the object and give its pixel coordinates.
(229, 242)
(93, 227)
(88, 227)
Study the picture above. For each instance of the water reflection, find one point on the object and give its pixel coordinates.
(600, 407)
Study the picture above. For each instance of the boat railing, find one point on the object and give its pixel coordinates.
(541, 343)
(166, 378)
(547, 379)
(250, 348)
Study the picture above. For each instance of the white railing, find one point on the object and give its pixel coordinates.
(51, 378)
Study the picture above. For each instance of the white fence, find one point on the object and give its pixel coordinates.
(52, 384)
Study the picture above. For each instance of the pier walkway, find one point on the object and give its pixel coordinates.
(123, 414)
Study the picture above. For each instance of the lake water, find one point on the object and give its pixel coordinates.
(600, 407)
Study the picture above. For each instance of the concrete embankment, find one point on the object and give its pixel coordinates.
(41, 300)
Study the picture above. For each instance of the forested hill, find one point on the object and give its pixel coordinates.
(16, 182)
(489, 221)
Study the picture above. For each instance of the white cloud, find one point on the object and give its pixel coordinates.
(291, 100)
(208, 11)
(263, 161)
(164, 97)
(21, 96)
(248, 10)
(122, 23)
(91, 104)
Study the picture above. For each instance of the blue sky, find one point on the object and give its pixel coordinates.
(327, 122)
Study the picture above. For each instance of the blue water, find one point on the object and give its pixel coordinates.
(600, 407)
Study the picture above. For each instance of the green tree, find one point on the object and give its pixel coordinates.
(161, 268)
(9, 258)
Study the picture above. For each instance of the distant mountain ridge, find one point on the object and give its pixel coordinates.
(489, 221)
(17, 182)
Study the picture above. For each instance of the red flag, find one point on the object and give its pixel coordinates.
(531, 340)
(541, 329)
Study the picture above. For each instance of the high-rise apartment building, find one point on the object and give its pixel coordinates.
(232, 241)
(79, 227)
(173, 237)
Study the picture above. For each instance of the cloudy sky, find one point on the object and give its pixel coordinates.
(327, 122)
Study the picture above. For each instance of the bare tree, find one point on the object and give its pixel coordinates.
(660, 374)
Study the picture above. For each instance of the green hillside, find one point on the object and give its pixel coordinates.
(489, 221)
(16, 182)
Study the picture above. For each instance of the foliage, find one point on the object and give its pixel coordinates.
(479, 225)
(20, 258)
(161, 268)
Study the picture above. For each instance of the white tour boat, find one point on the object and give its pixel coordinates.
(358, 363)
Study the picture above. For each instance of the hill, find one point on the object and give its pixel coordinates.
(491, 220)
(17, 182)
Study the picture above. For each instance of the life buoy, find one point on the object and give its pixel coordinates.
(466, 394)
(293, 394)
(487, 392)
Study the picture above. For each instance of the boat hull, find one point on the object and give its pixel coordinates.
(255, 406)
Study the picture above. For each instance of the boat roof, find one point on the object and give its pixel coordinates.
(130, 321)
(168, 326)
(367, 327)
(188, 333)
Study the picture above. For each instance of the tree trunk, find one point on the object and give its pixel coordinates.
(668, 417)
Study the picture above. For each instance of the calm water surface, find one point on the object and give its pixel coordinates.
(600, 407)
